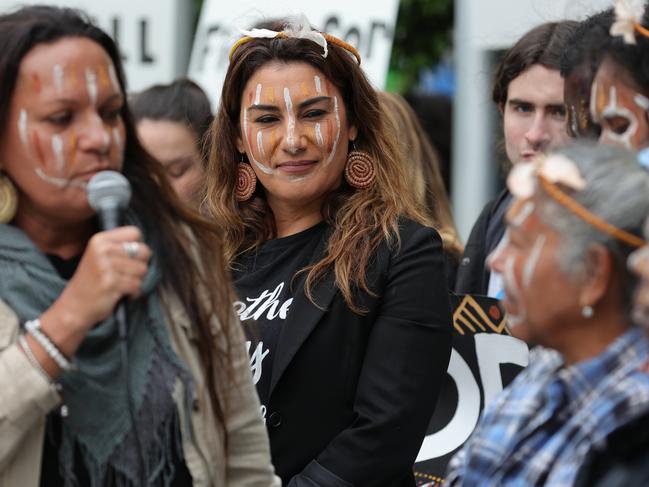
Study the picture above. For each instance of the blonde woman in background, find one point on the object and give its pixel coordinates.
(425, 176)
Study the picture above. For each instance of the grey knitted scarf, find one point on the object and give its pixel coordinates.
(98, 426)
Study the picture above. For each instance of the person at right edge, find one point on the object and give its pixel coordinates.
(528, 90)
(332, 258)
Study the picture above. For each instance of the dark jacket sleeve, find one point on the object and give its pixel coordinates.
(472, 273)
(406, 357)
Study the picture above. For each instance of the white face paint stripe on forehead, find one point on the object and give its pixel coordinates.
(318, 135)
(290, 124)
(57, 75)
(57, 149)
(260, 144)
(113, 77)
(258, 94)
(22, 128)
(335, 145)
(318, 85)
(533, 260)
(524, 213)
(91, 85)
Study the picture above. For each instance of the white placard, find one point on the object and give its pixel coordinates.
(368, 27)
(154, 37)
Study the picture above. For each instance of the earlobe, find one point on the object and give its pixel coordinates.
(353, 133)
(240, 147)
(599, 275)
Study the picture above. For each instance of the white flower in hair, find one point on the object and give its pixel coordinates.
(298, 28)
(556, 168)
(627, 14)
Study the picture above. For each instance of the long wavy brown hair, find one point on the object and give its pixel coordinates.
(423, 169)
(360, 219)
(190, 244)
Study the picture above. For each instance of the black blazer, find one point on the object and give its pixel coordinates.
(473, 273)
(351, 395)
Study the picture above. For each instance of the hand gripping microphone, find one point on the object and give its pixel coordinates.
(109, 192)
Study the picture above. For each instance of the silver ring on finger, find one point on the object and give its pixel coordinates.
(132, 249)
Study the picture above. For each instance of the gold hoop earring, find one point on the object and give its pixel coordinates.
(8, 199)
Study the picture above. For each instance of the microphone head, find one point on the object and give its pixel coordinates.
(108, 190)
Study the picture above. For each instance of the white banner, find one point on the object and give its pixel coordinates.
(154, 37)
(369, 28)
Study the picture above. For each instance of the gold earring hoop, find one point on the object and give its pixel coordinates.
(8, 199)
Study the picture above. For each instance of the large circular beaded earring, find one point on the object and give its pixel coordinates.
(246, 182)
(359, 169)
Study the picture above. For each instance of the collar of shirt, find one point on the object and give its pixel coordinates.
(623, 355)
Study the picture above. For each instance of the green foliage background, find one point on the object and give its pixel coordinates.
(423, 35)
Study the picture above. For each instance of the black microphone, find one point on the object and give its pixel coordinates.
(109, 192)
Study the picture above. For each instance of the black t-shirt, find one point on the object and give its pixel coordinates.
(264, 282)
(50, 474)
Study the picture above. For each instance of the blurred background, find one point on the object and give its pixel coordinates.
(439, 54)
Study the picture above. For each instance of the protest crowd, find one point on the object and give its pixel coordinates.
(273, 291)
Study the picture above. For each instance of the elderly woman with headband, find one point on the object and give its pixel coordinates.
(622, 458)
(340, 280)
(577, 215)
(184, 411)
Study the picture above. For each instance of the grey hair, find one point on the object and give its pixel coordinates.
(617, 190)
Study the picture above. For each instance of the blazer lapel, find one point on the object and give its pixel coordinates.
(303, 316)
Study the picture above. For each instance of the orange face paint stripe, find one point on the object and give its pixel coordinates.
(37, 146)
(73, 150)
(36, 83)
(103, 76)
(73, 75)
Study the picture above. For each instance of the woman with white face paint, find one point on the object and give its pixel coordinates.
(332, 260)
(184, 411)
(577, 215)
(619, 96)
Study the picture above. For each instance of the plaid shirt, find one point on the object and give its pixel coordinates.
(540, 428)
